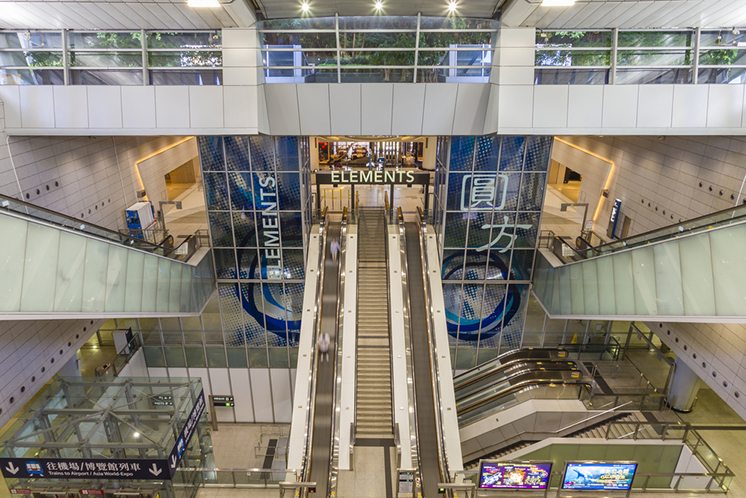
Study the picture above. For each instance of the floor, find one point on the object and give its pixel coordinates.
(243, 446)
(566, 223)
(368, 481)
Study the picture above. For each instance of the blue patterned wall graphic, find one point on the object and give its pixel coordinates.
(255, 200)
(488, 196)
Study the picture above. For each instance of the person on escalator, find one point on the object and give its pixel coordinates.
(323, 343)
(334, 248)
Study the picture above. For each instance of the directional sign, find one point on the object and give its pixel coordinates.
(84, 468)
(182, 441)
(222, 401)
(93, 492)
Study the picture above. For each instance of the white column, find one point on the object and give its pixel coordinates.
(682, 391)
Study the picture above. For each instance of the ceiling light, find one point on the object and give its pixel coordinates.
(305, 7)
(557, 3)
(452, 6)
(378, 5)
(203, 4)
(136, 435)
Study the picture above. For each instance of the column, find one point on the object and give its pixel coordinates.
(683, 387)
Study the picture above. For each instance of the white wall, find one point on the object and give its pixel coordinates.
(31, 352)
(658, 179)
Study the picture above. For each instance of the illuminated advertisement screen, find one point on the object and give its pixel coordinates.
(599, 476)
(495, 475)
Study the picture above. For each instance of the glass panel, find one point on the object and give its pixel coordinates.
(571, 76)
(216, 357)
(164, 285)
(192, 40)
(656, 38)
(107, 39)
(456, 22)
(31, 59)
(94, 283)
(377, 40)
(572, 58)
(722, 38)
(106, 59)
(105, 77)
(722, 57)
(728, 268)
(149, 287)
(302, 40)
(186, 77)
(70, 272)
(654, 58)
(31, 77)
(195, 357)
(378, 22)
(154, 356)
(382, 58)
(237, 357)
(30, 39)
(448, 39)
(566, 39)
(42, 248)
(205, 58)
(653, 76)
(175, 356)
(116, 278)
(298, 23)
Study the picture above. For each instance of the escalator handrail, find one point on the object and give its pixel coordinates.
(97, 231)
(520, 387)
(305, 470)
(487, 391)
(499, 359)
(434, 378)
(464, 380)
(737, 216)
(540, 366)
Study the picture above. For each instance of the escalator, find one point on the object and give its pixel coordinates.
(324, 371)
(675, 273)
(430, 461)
(53, 263)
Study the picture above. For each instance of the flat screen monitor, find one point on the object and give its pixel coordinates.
(599, 476)
(522, 475)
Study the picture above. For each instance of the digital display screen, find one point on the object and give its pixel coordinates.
(599, 476)
(495, 475)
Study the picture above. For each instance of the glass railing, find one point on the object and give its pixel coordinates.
(237, 478)
(54, 264)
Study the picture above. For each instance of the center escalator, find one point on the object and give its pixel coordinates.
(325, 370)
(430, 465)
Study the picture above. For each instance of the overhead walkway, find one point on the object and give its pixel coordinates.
(55, 266)
(689, 272)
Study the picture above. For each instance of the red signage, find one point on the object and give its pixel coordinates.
(97, 492)
(17, 491)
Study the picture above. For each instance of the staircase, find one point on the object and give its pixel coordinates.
(619, 428)
(373, 346)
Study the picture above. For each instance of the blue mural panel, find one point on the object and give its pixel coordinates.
(237, 153)
(211, 153)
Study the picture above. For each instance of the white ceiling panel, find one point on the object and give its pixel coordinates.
(277, 9)
(626, 14)
(117, 14)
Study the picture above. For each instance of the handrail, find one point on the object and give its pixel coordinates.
(481, 375)
(334, 436)
(520, 387)
(498, 359)
(305, 468)
(434, 376)
(411, 386)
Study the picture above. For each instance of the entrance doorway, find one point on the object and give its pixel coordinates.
(364, 158)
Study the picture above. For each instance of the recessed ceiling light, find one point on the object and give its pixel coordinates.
(136, 435)
(378, 5)
(305, 7)
(452, 6)
(557, 3)
(203, 4)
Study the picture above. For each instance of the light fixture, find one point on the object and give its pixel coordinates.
(557, 3)
(305, 7)
(378, 5)
(203, 4)
(452, 6)
(136, 435)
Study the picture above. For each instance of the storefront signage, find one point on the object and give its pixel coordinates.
(372, 177)
(92, 492)
(107, 468)
(222, 401)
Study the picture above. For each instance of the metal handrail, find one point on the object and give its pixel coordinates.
(435, 378)
(411, 386)
(499, 359)
(305, 467)
(481, 375)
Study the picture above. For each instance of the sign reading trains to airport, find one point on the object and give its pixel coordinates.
(599, 476)
(372, 177)
(107, 468)
(521, 475)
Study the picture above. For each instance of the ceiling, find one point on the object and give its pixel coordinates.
(174, 14)
(627, 14)
(277, 9)
(120, 14)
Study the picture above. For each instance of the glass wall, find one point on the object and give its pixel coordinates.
(377, 49)
(640, 57)
(258, 202)
(110, 57)
(488, 196)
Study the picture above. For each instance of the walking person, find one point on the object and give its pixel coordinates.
(334, 248)
(323, 344)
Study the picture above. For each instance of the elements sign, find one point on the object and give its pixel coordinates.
(107, 468)
(372, 177)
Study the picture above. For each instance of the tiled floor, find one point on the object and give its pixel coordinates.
(243, 446)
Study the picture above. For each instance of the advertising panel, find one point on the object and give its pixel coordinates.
(521, 475)
(599, 476)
